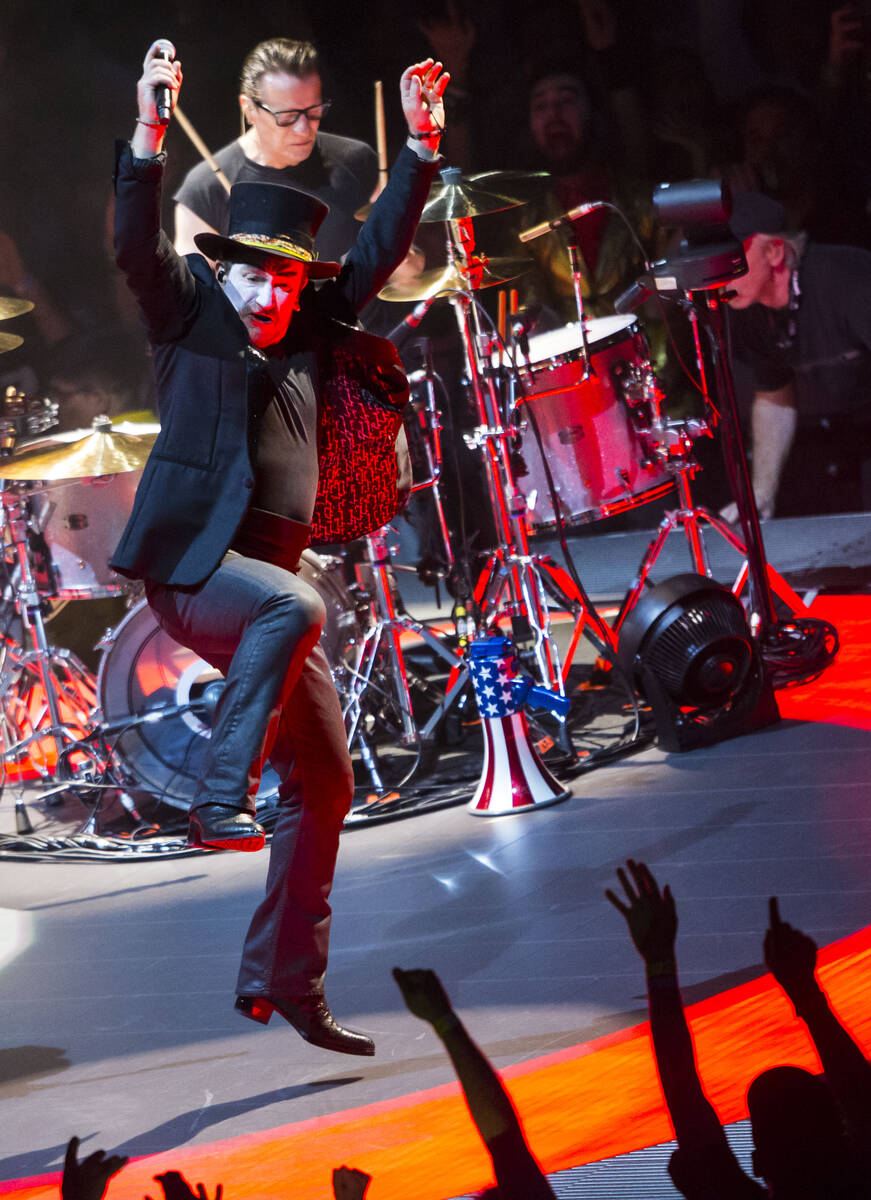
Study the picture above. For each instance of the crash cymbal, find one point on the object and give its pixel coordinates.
(101, 451)
(453, 200)
(11, 306)
(525, 184)
(442, 281)
(8, 341)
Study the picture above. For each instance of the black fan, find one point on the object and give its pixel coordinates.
(688, 647)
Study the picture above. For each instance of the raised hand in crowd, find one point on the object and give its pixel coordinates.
(703, 1166)
(518, 1175)
(349, 1183)
(176, 1187)
(88, 1179)
(791, 957)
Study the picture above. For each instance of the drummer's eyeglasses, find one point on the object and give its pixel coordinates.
(290, 116)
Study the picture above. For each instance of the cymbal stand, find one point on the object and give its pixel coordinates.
(63, 678)
(431, 429)
(514, 582)
(380, 665)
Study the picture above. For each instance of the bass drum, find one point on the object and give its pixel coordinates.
(144, 671)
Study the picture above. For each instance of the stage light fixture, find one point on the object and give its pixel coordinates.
(689, 649)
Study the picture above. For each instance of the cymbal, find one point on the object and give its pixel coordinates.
(8, 341)
(452, 201)
(526, 184)
(96, 452)
(11, 306)
(442, 281)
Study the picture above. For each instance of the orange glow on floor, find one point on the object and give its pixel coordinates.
(589, 1102)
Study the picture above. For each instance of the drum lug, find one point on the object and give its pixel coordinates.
(107, 641)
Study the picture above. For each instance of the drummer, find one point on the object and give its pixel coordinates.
(226, 500)
(282, 106)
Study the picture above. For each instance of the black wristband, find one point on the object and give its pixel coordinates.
(427, 134)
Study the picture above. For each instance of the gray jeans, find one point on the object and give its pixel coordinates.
(259, 625)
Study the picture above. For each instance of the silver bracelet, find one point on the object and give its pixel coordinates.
(150, 124)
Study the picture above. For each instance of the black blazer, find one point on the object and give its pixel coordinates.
(197, 483)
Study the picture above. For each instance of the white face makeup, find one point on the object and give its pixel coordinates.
(264, 297)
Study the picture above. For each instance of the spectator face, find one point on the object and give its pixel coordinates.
(284, 145)
(766, 267)
(265, 297)
(559, 117)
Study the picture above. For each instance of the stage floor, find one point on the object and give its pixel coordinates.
(117, 978)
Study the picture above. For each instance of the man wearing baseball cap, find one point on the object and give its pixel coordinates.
(801, 324)
(243, 358)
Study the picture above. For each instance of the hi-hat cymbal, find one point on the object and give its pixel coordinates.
(100, 451)
(11, 306)
(442, 281)
(8, 341)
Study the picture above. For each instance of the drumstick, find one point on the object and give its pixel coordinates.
(201, 146)
(380, 136)
(500, 322)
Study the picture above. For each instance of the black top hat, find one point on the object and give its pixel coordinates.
(270, 220)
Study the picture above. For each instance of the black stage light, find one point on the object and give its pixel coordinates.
(687, 646)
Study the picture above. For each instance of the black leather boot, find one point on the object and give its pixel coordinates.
(311, 1018)
(221, 827)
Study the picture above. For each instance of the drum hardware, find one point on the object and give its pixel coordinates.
(379, 690)
(64, 681)
(429, 419)
(511, 584)
(24, 416)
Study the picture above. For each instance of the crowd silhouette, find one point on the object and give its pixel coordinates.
(811, 1133)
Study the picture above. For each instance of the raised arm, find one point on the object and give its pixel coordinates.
(387, 233)
(160, 280)
(489, 1103)
(791, 957)
(652, 920)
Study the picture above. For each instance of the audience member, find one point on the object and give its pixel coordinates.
(802, 1149)
(282, 104)
(518, 1175)
(350, 1184)
(801, 324)
(88, 1179)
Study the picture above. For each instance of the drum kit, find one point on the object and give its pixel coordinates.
(583, 403)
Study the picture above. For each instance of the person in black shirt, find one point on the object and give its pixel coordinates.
(242, 359)
(282, 106)
(800, 322)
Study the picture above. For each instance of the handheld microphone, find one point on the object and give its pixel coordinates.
(580, 210)
(163, 95)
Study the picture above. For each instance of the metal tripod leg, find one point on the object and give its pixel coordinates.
(382, 645)
(691, 519)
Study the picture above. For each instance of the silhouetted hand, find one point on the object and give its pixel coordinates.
(349, 1183)
(650, 914)
(790, 955)
(423, 993)
(87, 1180)
(176, 1187)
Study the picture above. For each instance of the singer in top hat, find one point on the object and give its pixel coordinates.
(242, 357)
